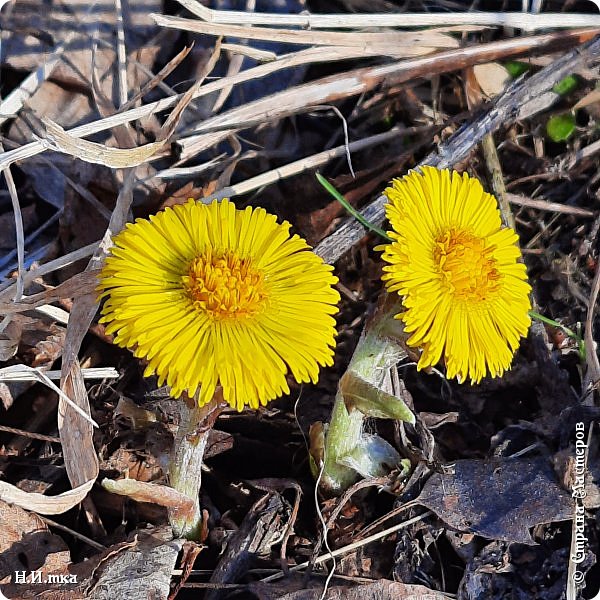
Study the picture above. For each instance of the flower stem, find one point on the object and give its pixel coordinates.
(343, 435)
(360, 395)
(185, 465)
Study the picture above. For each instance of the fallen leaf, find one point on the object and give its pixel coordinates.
(140, 571)
(498, 499)
(26, 544)
(380, 590)
(45, 505)
(492, 78)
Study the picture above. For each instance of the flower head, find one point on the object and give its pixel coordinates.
(465, 293)
(211, 295)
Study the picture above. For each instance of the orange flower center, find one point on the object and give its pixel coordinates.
(466, 265)
(225, 286)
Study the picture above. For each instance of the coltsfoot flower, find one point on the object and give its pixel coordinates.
(466, 296)
(211, 295)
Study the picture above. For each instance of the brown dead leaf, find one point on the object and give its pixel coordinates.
(590, 98)
(45, 505)
(472, 90)
(140, 418)
(119, 158)
(137, 569)
(27, 545)
(142, 569)
(181, 196)
(46, 343)
(492, 78)
(11, 336)
(32, 27)
(134, 465)
(49, 349)
(263, 526)
(66, 97)
(499, 499)
(380, 590)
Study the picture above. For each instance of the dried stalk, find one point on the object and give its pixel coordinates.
(443, 62)
(341, 86)
(304, 164)
(369, 42)
(518, 20)
(549, 206)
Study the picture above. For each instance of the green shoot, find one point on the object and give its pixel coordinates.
(351, 209)
(565, 330)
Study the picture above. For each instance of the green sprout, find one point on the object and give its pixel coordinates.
(569, 332)
(340, 198)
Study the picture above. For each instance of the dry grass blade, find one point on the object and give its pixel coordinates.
(24, 373)
(367, 41)
(350, 547)
(20, 236)
(300, 166)
(74, 533)
(549, 206)
(171, 123)
(250, 52)
(15, 373)
(49, 267)
(176, 172)
(593, 364)
(344, 85)
(78, 285)
(451, 60)
(76, 437)
(117, 158)
(54, 312)
(121, 54)
(158, 78)
(519, 20)
(583, 153)
(30, 434)
(120, 158)
(14, 101)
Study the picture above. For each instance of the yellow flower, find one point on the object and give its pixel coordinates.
(466, 296)
(211, 295)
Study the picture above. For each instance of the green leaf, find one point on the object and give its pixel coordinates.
(516, 68)
(580, 341)
(388, 121)
(561, 127)
(372, 401)
(566, 86)
(331, 189)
